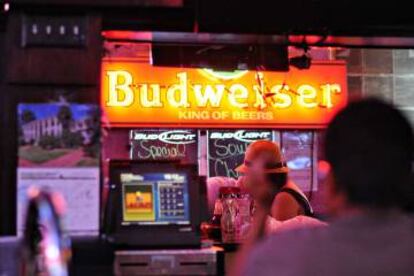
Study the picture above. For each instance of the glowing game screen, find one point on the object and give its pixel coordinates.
(155, 198)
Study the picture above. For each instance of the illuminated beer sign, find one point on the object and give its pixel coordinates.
(162, 144)
(226, 148)
(138, 94)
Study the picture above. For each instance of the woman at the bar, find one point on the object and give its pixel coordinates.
(265, 173)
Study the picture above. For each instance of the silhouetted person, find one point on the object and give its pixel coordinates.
(369, 146)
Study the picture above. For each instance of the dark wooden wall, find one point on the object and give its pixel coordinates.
(41, 75)
(3, 189)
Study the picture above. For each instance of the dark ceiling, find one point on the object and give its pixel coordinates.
(349, 19)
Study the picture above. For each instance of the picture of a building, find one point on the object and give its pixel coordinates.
(58, 135)
(33, 131)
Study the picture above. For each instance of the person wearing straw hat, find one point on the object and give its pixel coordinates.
(266, 179)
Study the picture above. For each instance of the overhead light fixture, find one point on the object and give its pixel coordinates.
(303, 61)
(221, 57)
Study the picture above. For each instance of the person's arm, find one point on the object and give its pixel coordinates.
(284, 207)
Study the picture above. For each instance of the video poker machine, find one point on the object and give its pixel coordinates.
(153, 204)
(153, 216)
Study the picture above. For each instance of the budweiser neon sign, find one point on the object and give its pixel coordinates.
(122, 91)
(136, 94)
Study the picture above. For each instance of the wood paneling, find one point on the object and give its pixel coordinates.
(39, 75)
(53, 65)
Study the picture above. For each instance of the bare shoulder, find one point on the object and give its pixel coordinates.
(285, 198)
(284, 207)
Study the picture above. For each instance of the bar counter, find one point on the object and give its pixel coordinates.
(92, 256)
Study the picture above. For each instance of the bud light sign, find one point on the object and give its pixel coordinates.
(164, 144)
(226, 149)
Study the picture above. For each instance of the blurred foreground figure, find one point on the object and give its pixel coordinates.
(45, 250)
(369, 146)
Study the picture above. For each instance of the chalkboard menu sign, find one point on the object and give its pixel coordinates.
(164, 144)
(226, 149)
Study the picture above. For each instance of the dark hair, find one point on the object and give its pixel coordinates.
(369, 145)
(278, 180)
